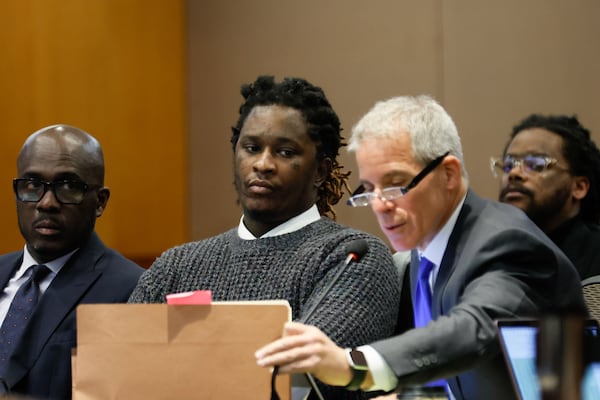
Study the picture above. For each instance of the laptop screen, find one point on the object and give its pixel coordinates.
(518, 342)
(590, 388)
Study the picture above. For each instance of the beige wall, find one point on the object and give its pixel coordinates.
(489, 63)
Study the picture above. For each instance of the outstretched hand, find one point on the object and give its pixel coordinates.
(304, 348)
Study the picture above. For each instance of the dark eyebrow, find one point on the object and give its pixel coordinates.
(64, 176)
(277, 139)
(528, 154)
(68, 176)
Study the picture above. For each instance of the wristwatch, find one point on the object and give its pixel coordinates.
(359, 367)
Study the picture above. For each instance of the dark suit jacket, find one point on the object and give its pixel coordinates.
(41, 363)
(498, 264)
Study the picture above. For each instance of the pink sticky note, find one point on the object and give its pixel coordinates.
(195, 297)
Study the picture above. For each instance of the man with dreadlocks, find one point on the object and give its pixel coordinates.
(287, 245)
(550, 169)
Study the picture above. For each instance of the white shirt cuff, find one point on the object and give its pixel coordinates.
(383, 376)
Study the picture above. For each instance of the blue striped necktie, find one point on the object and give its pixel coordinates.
(19, 312)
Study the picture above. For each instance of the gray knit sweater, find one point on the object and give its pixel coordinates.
(361, 307)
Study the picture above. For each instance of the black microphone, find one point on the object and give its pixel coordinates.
(356, 249)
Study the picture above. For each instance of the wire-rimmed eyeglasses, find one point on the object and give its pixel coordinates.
(529, 164)
(360, 198)
(31, 190)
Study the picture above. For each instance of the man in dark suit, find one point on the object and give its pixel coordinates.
(59, 194)
(488, 261)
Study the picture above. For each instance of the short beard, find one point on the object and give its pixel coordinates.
(542, 213)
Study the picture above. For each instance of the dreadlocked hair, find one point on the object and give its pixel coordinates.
(323, 127)
(580, 152)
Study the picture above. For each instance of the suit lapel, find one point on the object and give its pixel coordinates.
(8, 265)
(414, 272)
(59, 300)
(471, 208)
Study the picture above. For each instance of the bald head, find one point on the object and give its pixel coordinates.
(61, 171)
(66, 142)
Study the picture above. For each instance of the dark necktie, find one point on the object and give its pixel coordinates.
(19, 312)
(422, 303)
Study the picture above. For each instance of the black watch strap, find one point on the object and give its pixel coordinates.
(359, 367)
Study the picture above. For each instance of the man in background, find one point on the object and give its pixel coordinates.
(59, 194)
(550, 168)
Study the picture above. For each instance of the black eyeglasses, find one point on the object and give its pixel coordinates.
(528, 164)
(31, 190)
(360, 198)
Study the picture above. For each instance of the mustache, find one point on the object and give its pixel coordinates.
(515, 188)
(260, 182)
(46, 221)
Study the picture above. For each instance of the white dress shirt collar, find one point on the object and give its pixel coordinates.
(435, 250)
(8, 292)
(54, 265)
(291, 225)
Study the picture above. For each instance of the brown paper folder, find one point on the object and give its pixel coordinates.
(155, 351)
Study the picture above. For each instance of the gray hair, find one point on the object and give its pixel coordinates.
(431, 130)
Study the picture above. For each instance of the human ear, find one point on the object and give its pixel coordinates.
(580, 188)
(103, 195)
(452, 171)
(323, 170)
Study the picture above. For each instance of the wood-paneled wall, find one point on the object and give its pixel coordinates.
(117, 69)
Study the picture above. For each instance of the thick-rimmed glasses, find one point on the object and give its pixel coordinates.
(360, 198)
(31, 190)
(529, 164)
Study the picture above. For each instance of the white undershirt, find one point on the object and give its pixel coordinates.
(20, 276)
(291, 225)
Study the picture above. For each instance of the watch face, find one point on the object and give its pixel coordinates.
(358, 358)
